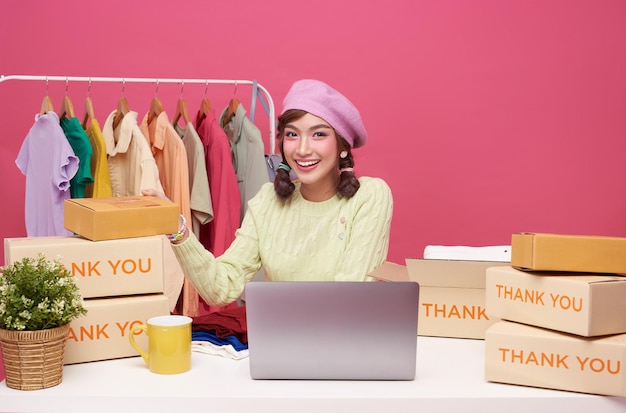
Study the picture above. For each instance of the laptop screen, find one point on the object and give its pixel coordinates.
(332, 330)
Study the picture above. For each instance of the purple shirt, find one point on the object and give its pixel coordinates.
(48, 162)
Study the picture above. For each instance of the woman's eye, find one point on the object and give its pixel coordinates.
(319, 135)
(290, 134)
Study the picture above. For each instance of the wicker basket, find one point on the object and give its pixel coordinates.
(33, 359)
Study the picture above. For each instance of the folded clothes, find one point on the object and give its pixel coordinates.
(220, 341)
(228, 351)
(229, 322)
(500, 253)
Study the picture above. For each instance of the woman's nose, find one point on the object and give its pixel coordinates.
(304, 147)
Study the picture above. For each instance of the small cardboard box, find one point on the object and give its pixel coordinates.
(574, 253)
(452, 295)
(102, 334)
(101, 269)
(537, 357)
(120, 217)
(583, 304)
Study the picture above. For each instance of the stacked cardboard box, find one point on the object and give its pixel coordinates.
(561, 307)
(452, 294)
(118, 265)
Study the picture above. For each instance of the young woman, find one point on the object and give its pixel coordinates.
(326, 225)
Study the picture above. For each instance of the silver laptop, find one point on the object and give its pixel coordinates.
(332, 330)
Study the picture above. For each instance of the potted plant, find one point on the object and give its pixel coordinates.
(38, 300)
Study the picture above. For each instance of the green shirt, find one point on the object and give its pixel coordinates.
(79, 141)
(341, 239)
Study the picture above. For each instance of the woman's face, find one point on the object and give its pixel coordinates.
(310, 148)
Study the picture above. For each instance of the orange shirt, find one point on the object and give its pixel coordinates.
(170, 156)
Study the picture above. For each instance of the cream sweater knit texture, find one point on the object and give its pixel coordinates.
(341, 239)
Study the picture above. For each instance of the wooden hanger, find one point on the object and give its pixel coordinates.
(46, 105)
(205, 108)
(156, 107)
(181, 110)
(232, 109)
(122, 110)
(88, 111)
(67, 108)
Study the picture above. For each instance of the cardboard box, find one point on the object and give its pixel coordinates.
(103, 333)
(573, 253)
(120, 217)
(450, 273)
(100, 269)
(452, 295)
(587, 305)
(532, 356)
(453, 312)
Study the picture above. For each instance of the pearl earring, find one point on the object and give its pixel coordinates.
(343, 154)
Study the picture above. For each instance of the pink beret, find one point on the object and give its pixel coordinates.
(323, 101)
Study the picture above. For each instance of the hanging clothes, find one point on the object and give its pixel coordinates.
(199, 191)
(82, 148)
(131, 164)
(272, 159)
(248, 152)
(48, 161)
(101, 187)
(171, 159)
(218, 234)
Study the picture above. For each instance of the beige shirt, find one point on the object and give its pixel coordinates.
(199, 191)
(131, 164)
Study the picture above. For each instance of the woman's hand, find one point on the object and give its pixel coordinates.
(154, 193)
(183, 232)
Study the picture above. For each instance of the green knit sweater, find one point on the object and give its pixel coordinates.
(341, 239)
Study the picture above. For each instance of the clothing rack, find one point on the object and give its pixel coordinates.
(157, 81)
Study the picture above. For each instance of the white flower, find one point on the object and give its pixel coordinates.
(36, 293)
(27, 301)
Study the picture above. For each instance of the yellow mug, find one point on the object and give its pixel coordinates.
(169, 343)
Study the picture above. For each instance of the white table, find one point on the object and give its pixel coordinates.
(450, 377)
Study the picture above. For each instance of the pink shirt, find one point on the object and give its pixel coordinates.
(218, 234)
(48, 162)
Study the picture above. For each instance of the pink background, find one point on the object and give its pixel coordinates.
(486, 117)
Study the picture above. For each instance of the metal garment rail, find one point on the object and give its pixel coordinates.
(182, 82)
